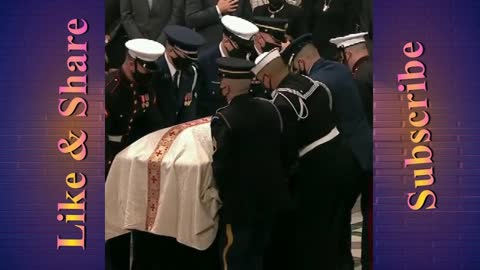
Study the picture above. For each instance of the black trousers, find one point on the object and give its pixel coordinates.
(323, 190)
(117, 253)
(155, 252)
(280, 250)
(243, 246)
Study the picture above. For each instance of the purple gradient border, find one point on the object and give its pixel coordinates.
(447, 237)
(33, 64)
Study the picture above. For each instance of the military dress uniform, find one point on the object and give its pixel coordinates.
(350, 117)
(320, 183)
(131, 112)
(362, 73)
(179, 92)
(131, 109)
(179, 82)
(361, 70)
(248, 169)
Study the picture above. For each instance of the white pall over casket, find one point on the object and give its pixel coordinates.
(163, 184)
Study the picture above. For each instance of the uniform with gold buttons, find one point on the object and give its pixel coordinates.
(131, 102)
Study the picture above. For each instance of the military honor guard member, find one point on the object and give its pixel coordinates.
(247, 166)
(237, 42)
(321, 185)
(131, 112)
(303, 58)
(178, 78)
(130, 99)
(354, 54)
(272, 34)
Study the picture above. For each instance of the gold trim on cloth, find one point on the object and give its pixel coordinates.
(154, 165)
(227, 247)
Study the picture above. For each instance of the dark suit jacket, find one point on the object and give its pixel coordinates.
(202, 16)
(112, 16)
(296, 20)
(178, 13)
(348, 108)
(141, 22)
(338, 20)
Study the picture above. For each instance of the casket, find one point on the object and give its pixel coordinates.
(163, 184)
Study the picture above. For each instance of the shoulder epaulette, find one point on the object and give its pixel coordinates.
(112, 81)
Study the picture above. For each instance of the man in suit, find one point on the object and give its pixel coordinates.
(303, 58)
(115, 36)
(280, 9)
(146, 18)
(131, 112)
(204, 16)
(237, 42)
(248, 168)
(321, 183)
(178, 77)
(327, 19)
(272, 34)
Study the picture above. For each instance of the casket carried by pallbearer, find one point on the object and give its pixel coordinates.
(163, 184)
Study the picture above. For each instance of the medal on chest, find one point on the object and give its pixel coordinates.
(188, 99)
(145, 101)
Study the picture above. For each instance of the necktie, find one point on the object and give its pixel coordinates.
(150, 4)
(176, 78)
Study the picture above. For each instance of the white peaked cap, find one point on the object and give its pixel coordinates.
(264, 59)
(145, 49)
(239, 27)
(349, 40)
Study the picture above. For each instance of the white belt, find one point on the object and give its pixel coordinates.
(115, 138)
(330, 136)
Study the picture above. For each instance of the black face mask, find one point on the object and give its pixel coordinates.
(270, 46)
(181, 63)
(239, 51)
(342, 57)
(142, 79)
